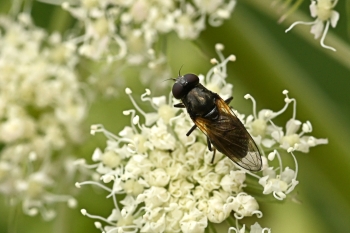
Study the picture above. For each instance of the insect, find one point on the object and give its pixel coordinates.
(215, 118)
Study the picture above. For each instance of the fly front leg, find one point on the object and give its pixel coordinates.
(179, 105)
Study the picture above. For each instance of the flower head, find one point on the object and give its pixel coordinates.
(41, 109)
(163, 181)
(131, 28)
(281, 180)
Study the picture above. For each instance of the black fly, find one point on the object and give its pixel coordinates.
(214, 117)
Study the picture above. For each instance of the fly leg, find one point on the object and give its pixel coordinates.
(208, 142)
(211, 149)
(228, 101)
(181, 105)
(191, 130)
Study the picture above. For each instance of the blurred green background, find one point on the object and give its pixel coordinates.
(268, 61)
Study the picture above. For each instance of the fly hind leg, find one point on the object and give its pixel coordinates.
(208, 142)
(211, 149)
(191, 130)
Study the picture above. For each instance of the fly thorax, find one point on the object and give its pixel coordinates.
(200, 102)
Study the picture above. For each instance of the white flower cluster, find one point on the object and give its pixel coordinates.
(41, 109)
(273, 138)
(166, 180)
(129, 29)
(323, 11)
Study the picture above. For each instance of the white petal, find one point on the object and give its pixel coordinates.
(313, 9)
(334, 18)
(292, 126)
(317, 28)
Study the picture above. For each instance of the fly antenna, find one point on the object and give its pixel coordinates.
(180, 70)
(169, 79)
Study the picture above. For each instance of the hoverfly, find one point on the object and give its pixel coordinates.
(215, 118)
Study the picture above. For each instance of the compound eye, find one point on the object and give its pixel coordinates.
(191, 79)
(178, 91)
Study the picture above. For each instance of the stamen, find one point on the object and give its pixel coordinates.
(98, 225)
(258, 213)
(214, 61)
(279, 196)
(296, 165)
(100, 128)
(72, 203)
(324, 36)
(238, 216)
(299, 22)
(232, 57)
(149, 117)
(136, 121)
(287, 100)
(85, 213)
(220, 68)
(279, 160)
(79, 184)
(219, 47)
(144, 98)
(132, 112)
(248, 96)
(307, 127)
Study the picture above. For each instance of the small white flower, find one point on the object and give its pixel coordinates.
(323, 11)
(160, 138)
(158, 177)
(244, 205)
(281, 184)
(233, 181)
(296, 140)
(216, 205)
(194, 222)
